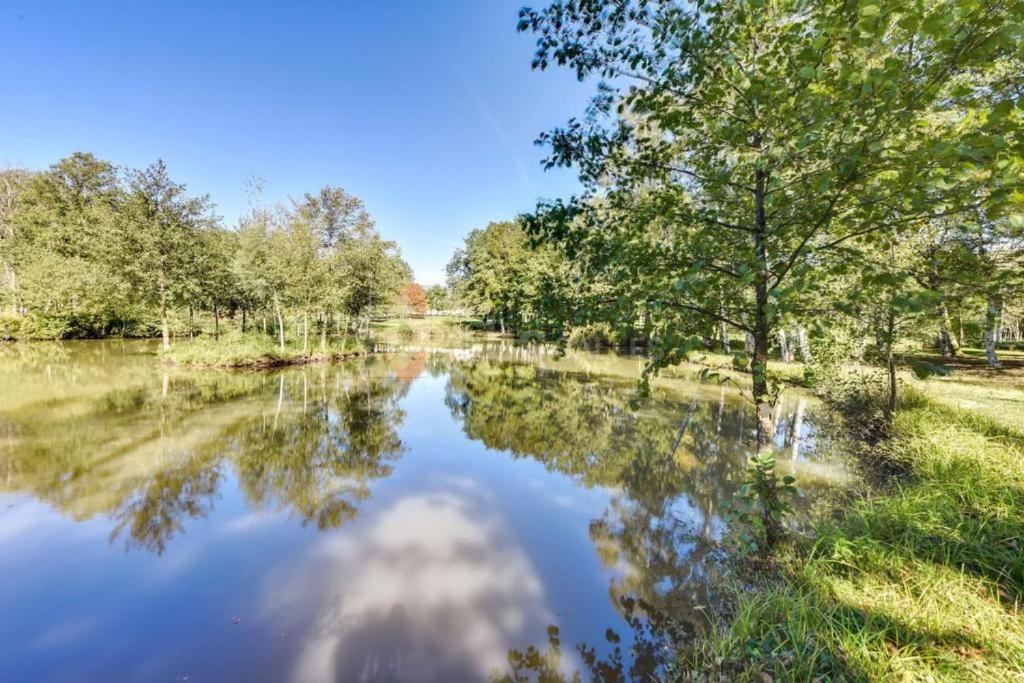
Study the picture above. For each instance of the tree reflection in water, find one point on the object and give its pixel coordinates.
(660, 529)
(154, 452)
(152, 457)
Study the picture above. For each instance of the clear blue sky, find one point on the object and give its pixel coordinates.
(426, 109)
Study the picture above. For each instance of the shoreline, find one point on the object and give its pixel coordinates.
(269, 362)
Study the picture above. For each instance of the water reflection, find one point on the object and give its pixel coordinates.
(669, 467)
(153, 456)
(434, 589)
(415, 516)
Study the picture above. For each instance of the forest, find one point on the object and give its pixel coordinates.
(92, 250)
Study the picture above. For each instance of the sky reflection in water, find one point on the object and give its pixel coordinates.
(412, 517)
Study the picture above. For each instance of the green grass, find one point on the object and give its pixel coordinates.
(236, 350)
(921, 582)
(439, 329)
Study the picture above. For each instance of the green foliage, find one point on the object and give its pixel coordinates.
(511, 283)
(759, 507)
(744, 162)
(438, 298)
(921, 583)
(86, 251)
(591, 336)
(234, 349)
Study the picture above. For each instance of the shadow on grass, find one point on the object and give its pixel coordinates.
(923, 581)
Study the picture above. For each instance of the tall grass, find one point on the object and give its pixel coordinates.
(921, 581)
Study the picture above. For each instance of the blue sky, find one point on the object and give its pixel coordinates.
(427, 109)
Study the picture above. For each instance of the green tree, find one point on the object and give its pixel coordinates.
(507, 280)
(438, 298)
(739, 147)
(159, 235)
(58, 248)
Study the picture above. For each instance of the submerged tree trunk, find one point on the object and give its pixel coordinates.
(798, 425)
(992, 332)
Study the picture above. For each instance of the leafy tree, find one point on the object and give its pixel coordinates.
(85, 249)
(12, 184)
(159, 235)
(438, 298)
(738, 148)
(414, 298)
(507, 280)
(58, 246)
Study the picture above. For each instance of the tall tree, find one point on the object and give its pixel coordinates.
(739, 147)
(159, 233)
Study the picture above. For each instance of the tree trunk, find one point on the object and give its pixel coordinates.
(305, 331)
(991, 332)
(748, 343)
(216, 322)
(165, 330)
(785, 353)
(280, 322)
(762, 323)
(890, 364)
(804, 345)
(950, 345)
(998, 333)
(12, 278)
(798, 424)
(191, 322)
(723, 331)
(324, 326)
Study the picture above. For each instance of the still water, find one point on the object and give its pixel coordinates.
(475, 514)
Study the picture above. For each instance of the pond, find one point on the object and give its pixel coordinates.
(428, 515)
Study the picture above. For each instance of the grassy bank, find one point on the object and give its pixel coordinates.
(235, 350)
(427, 330)
(921, 581)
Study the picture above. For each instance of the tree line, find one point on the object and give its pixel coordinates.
(91, 250)
(847, 172)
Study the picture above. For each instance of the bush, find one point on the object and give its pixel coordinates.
(595, 335)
